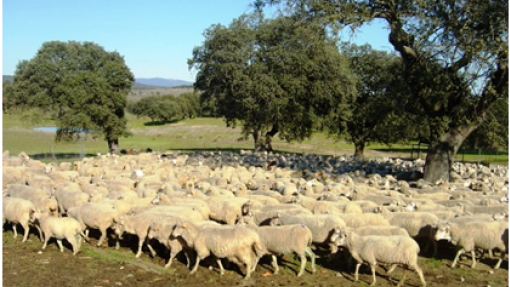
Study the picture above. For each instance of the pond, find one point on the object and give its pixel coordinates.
(54, 129)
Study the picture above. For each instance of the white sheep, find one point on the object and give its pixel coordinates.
(237, 243)
(472, 235)
(228, 210)
(381, 230)
(139, 225)
(374, 249)
(19, 211)
(96, 216)
(418, 225)
(355, 220)
(162, 232)
(321, 225)
(294, 238)
(61, 228)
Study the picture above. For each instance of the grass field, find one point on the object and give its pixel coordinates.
(187, 135)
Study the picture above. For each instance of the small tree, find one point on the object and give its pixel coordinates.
(273, 76)
(81, 85)
(378, 113)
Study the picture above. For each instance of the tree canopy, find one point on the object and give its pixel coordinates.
(455, 59)
(167, 107)
(378, 112)
(81, 85)
(272, 76)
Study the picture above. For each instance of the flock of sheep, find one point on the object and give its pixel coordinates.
(241, 207)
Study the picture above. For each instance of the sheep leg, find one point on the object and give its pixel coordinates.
(26, 229)
(473, 259)
(188, 260)
(501, 257)
(140, 244)
(102, 238)
(404, 273)
(47, 238)
(274, 262)
(152, 251)
(392, 268)
(248, 269)
(60, 246)
(40, 232)
(167, 265)
(14, 230)
(372, 268)
(460, 252)
(87, 234)
(173, 253)
(222, 271)
(255, 264)
(303, 264)
(356, 271)
(195, 267)
(420, 273)
(310, 253)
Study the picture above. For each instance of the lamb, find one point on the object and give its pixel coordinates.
(94, 215)
(17, 210)
(61, 228)
(373, 249)
(237, 243)
(293, 238)
(469, 236)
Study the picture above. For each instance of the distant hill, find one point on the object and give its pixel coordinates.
(140, 82)
(161, 82)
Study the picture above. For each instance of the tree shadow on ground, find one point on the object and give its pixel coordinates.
(60, 156)
(159, 123)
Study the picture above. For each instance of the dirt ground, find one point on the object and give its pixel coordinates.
(24, 264)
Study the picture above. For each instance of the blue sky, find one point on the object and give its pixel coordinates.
(156, 37)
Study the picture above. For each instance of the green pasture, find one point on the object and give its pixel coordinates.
(188, 135)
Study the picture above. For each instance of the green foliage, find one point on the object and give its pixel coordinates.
(167, 108)
(80, 84)
(455, 56)
(378, 114)
(493, 133)
(271, 75)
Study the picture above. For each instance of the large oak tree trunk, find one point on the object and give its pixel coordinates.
(258, 142)
(113, 146)
(359, 148)
(441, 153)
(269, 137)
